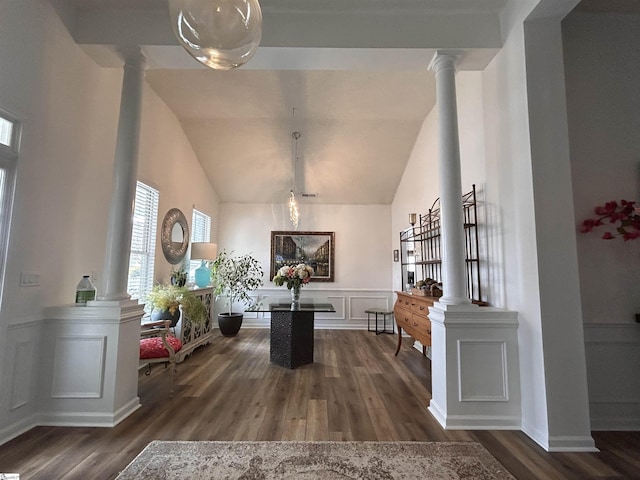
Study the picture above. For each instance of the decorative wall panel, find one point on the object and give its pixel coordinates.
(78, 367)
(23, 366)
(482, 384)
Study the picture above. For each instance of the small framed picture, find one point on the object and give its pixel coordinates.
(396, 255)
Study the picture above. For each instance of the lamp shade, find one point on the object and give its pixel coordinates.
(204, 251)
(221, 34)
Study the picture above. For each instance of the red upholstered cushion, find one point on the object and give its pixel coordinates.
(153, 347)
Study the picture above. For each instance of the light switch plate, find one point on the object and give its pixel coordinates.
(29, 279)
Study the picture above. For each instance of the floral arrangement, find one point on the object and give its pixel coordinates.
(294, 276)
(625, 216)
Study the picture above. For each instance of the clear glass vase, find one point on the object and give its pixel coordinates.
(295, 296)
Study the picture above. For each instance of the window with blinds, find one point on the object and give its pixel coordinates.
(9, 134)
(6, 132)
(143, 241)
(200, 232)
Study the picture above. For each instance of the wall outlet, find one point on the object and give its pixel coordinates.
(29, 279)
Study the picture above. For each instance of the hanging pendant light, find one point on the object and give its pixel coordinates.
(294, 214)
(221, 34)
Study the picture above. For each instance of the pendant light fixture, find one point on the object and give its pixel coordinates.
(221, 34)
(294, 213)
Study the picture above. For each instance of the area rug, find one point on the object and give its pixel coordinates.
(314, 460)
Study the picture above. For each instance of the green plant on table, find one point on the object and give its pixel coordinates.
(171, 297)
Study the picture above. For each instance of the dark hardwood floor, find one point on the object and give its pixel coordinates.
(356, 390)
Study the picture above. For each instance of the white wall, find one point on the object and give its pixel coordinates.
(603, 101)
(69, 108)
(363, 253)
(168, 163)
(63, 185)
(513, 232)
(419, 186)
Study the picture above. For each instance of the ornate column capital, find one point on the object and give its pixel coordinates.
(132, 56)
(444, 59)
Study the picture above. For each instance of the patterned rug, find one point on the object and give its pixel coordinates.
(314, 460)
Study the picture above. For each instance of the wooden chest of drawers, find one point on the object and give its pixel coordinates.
(412, 315)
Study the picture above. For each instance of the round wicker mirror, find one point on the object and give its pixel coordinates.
(174, 236)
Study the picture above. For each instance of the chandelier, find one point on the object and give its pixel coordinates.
(294, 214)
(221, 34)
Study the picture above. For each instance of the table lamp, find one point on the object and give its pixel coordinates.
(203, 251)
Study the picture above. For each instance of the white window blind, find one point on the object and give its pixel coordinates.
(9, 134)
(143, 241)
(6, 132)
(200, 232)
(200, 227)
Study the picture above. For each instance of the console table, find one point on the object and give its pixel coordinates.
(292, 330)
(412, 315)
(193, 335)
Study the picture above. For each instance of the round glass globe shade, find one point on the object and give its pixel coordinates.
(221, 34)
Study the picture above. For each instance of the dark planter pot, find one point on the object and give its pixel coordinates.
(230, 323)
(157, 315)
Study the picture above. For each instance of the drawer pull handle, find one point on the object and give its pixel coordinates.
(415, 324)
(421, 307)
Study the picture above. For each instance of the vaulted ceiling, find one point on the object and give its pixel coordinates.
(350, 75)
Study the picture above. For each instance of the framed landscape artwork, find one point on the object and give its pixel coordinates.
(313, 248)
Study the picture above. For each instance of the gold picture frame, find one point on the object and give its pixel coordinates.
(313, 248)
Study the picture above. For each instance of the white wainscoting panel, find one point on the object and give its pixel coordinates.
(613, 356)
(492, 384)
(24, 362)
(20, 348)
(78, 366)
(349, 304)
(360, 303)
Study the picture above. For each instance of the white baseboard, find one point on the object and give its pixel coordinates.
(571, 444)
(16, 429)
(615, 416)
(88, 419)
(473, 422)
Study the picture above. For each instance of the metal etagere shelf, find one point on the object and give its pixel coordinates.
(420, 247)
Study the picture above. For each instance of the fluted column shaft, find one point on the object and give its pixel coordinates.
(125, 169)
(453, 257)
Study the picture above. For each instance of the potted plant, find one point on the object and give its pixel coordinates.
(178, 276)
(165, 301)
(233, 278)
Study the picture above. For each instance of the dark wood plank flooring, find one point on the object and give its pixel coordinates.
(356, 390)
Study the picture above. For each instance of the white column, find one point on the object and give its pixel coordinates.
(116, 260)
(453, 266)
(475, 373)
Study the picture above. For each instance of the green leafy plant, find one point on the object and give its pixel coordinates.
(179, 276)
(235, 277)
(171, 297)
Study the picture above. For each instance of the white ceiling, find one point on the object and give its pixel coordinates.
(359, 109)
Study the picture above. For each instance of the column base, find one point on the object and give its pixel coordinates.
(475, 368)
(91, 363)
